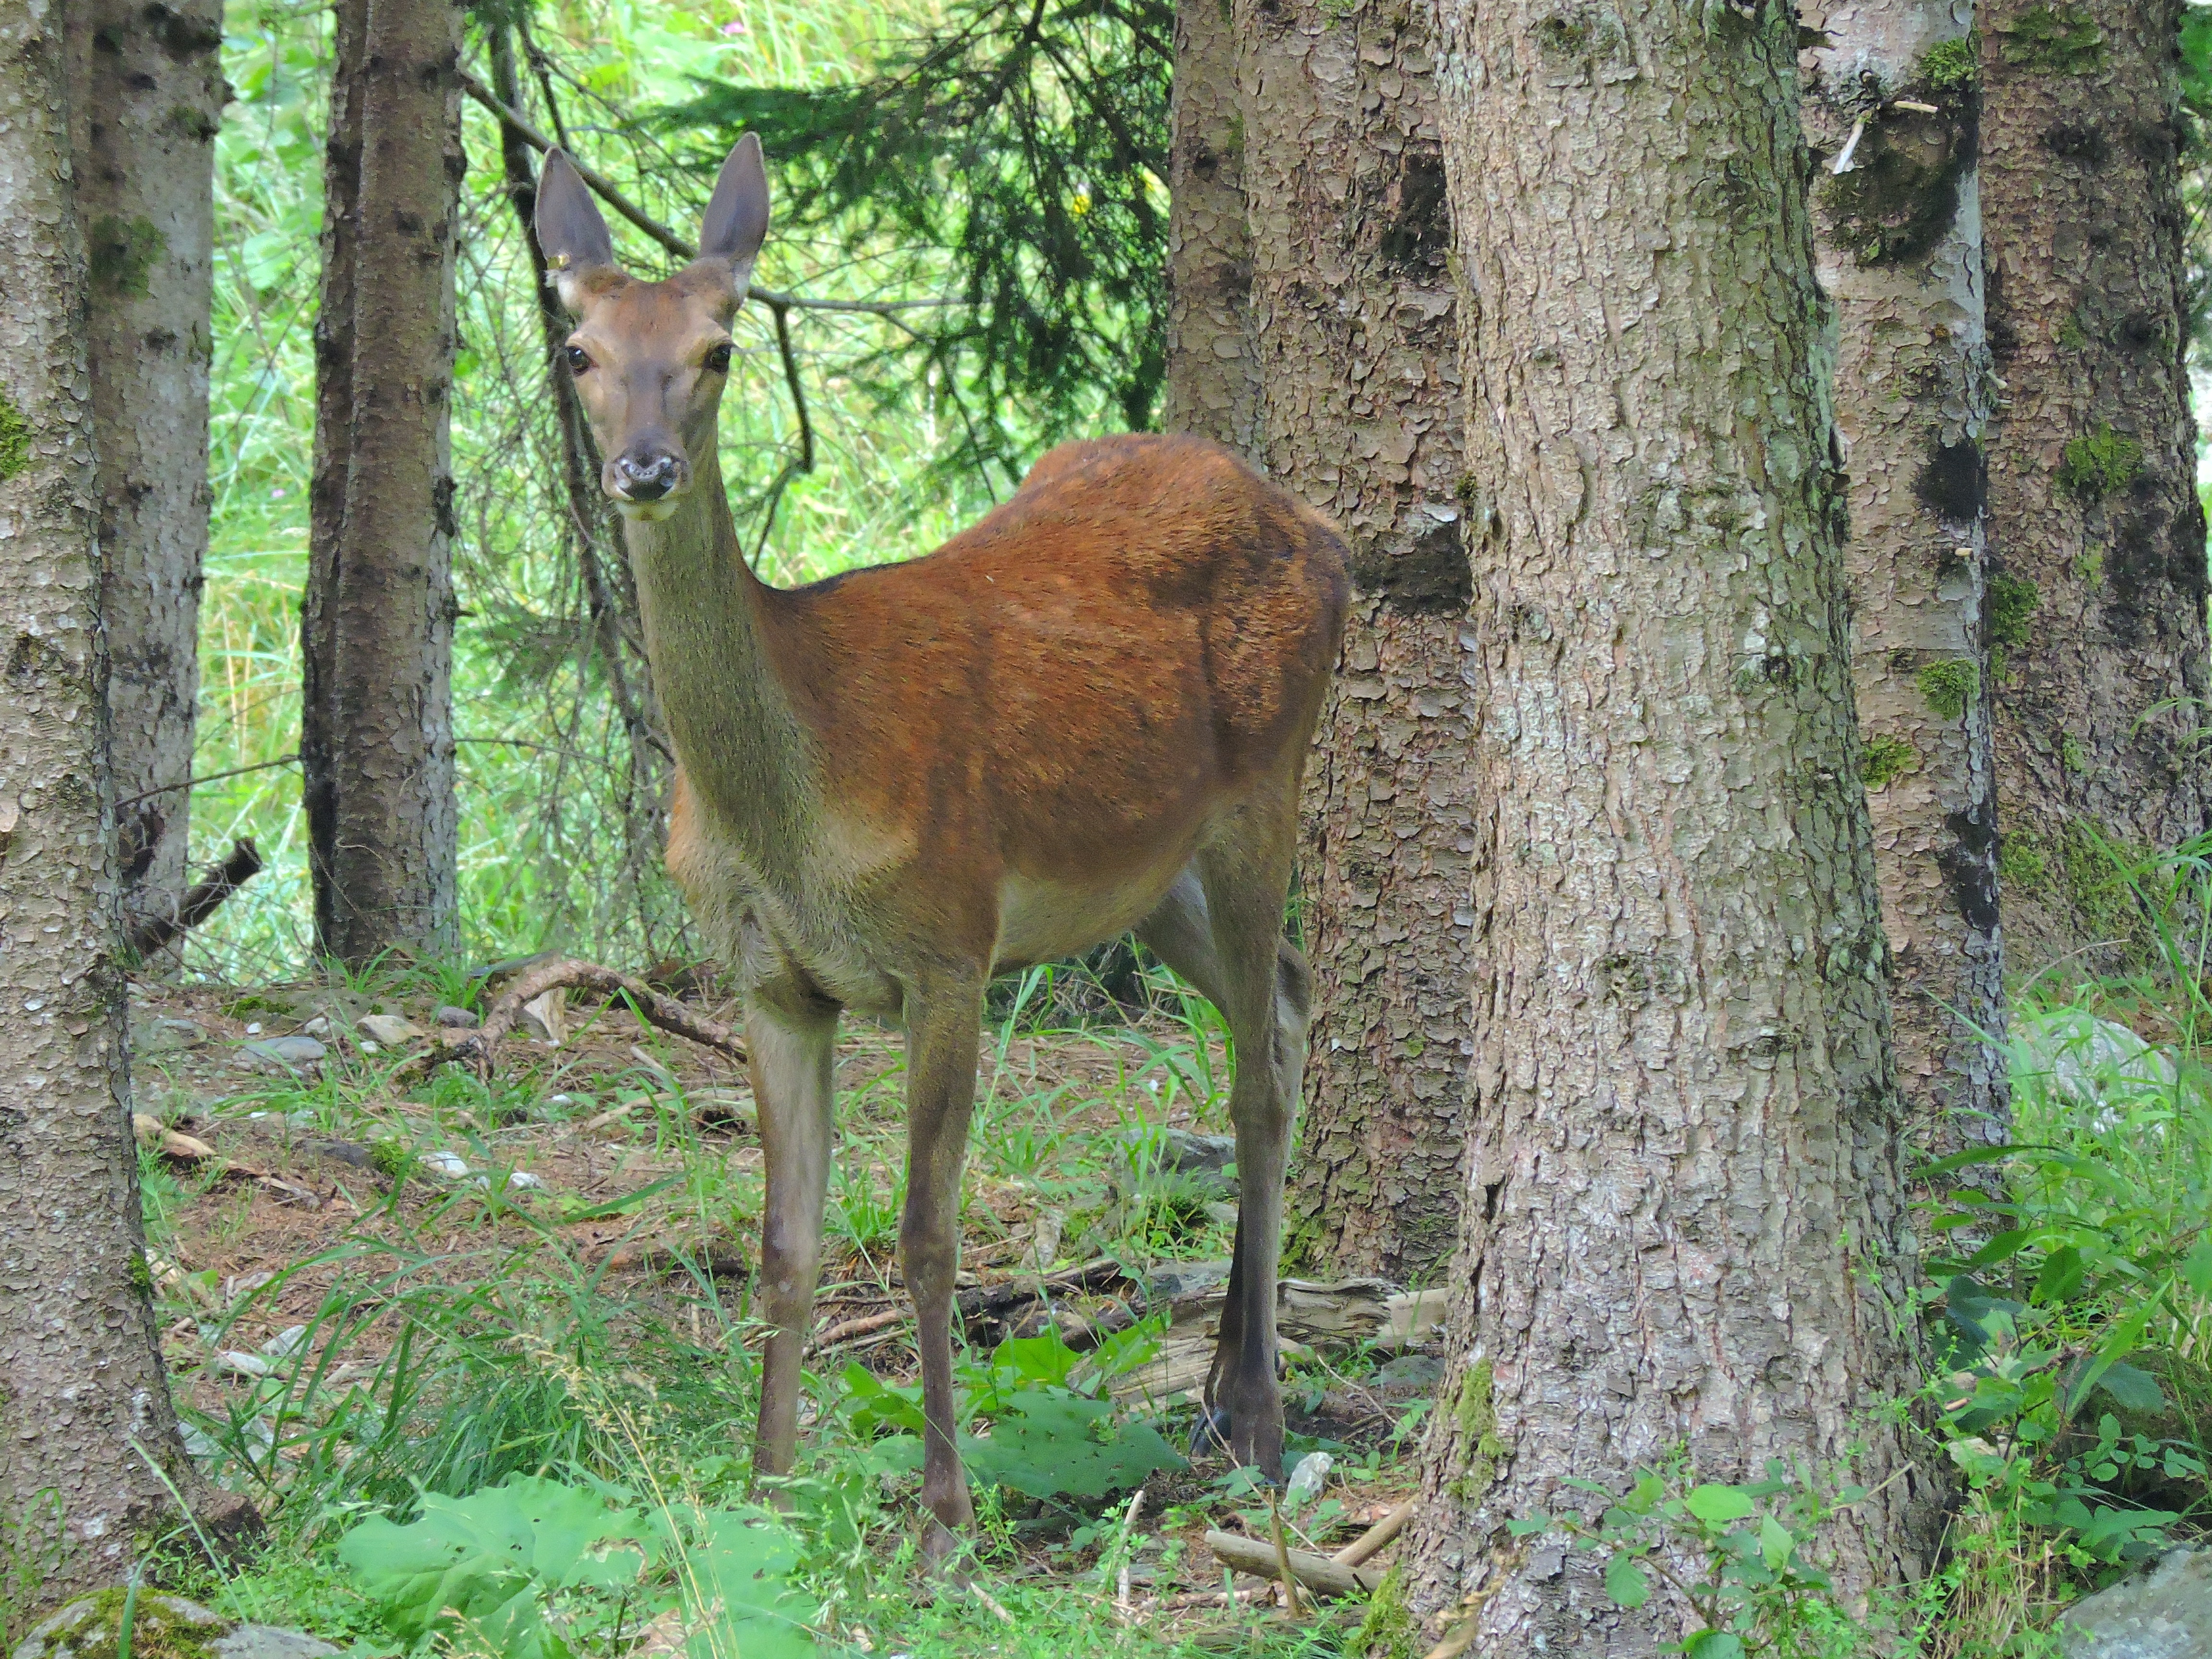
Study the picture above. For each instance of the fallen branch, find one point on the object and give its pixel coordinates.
(845, 1329)
(153, 932)
(478, 1046)
(1316, 1573)
(1371, 1542)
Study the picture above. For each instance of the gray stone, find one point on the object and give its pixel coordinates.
(160, 1623)
(292, 1051)
(161, 1036)
(388, 1028)
(1412, 1370)
(1196, 1154)
(2164, 1614)
(1171, 1281)
(455, 1019)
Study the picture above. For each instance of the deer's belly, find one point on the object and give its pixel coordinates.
(1040, 921)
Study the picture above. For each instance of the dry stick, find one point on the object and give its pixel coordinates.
(566, 971)
(221, 881)
(1287, 1579)
(212, 777)
(845, 1329)
(1266, 1559)
(1371, 1541)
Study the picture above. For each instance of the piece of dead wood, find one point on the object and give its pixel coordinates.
(717, 1258)
(1316, 1572)
(845, 1330)
(479, 1047)
(200, 900)
(1376, 1538)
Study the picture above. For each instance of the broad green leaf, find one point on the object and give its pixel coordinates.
(1714, 1644)
(2197, 1266)
(2131, 1389)
(738, 1584)
(488, 1557)
(1625, 1584)
(1049, 1445)
(1775, 1543)
(1716, 1505)
(2062, 1275)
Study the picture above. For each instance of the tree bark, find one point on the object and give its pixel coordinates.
(1212, 380)
(2097, 538)
(1684, 1225)
(1897, 236)
(377, 741)
(146, 99)
(87, 1430)
(1353, 325)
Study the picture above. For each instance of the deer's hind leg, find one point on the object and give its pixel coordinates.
(1220, 926)
(791, 1037)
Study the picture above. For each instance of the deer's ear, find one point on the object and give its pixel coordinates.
(736, 222)
(570, 229)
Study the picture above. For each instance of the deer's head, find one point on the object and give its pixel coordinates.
(651, 358)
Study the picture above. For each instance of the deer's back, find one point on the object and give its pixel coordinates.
(1141, 634)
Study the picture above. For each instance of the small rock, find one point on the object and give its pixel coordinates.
(159, 1037)
(546, 1018)
(1193, 1154)
(1412, 1370)
(2164, 1614)
(388, 1028)
(238, 1364)
(521, 1181)
(253, 1028)
(344, 1152)
(320, 1026)
(286, 1342)
(162, 1624)
(446, 1166)
(292, 1052)
(455, 1019)
(1174, 1280)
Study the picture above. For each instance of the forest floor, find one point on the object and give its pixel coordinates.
(376, 1285)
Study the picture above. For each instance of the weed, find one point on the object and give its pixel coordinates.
(1949, 65)
(1949, 687)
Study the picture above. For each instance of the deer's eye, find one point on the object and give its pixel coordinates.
(718, 360)
(579, 358)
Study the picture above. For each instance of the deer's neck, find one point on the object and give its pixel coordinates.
(709, 623)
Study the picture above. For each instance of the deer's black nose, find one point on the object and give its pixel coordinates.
(648, 478)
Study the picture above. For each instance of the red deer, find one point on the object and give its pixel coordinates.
(1086, 715)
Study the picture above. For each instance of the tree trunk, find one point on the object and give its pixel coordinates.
(1897, 238)
(1211, 384)
(1684, 1225)
(146, 99)
(377, 741)
(1352, 321)
(2097, 538)
(593, 532)
(81, 1390)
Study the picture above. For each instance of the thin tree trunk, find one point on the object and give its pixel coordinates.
(1685, 1223)
(146, 99)
(1211, 384)
(379, 633)
(2097, 538)
(1891, 97)
(621, 650)
(87, 1432)
(1352, 320)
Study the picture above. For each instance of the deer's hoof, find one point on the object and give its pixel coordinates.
(1209, 1435)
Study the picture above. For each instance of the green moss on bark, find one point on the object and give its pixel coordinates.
(1886, 760)
(121, 254)
(2021, 860)
(2054, 40)
(1475, 1416)
(14, 438)
(1948, 66)
(1389, 1631)
(2099, 464)
(1949, 687)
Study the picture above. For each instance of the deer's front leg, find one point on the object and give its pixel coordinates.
(943, 1020)
(790, 1042)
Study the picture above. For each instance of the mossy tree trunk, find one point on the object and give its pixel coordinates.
(1353, 326)
(146, 99)
(1685, 1223)
(376, 737)
(88, 1444)
(1891, 96)
(2097, 540)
